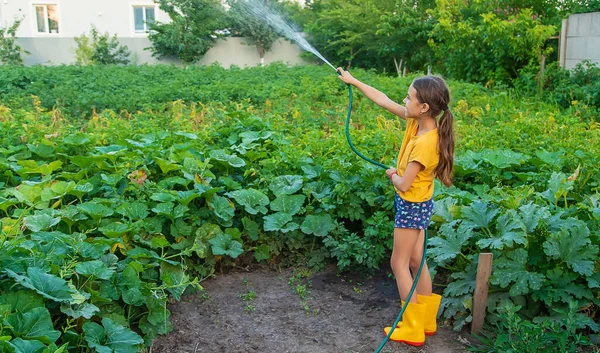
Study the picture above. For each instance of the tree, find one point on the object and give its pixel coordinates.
(479, 42)
(246, 24)
(100, 49)
(10, 51)
(346, 31)
(192, 32)
(405, 34)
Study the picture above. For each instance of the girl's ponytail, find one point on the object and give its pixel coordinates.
(434, 91)
(446, 147)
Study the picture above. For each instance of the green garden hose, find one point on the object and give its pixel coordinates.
(412, 289)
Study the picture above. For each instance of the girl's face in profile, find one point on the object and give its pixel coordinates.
(412, 104)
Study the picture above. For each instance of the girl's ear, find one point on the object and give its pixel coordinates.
(424, 108)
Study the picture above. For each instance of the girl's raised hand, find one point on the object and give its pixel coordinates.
(345, 76)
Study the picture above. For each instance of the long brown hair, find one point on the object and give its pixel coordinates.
(434, 91)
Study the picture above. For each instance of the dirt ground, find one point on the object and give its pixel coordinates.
(261, 310)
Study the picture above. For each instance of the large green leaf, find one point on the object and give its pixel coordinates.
(289, 204)
(27, 346)
(531, 214)
(85, 310)
(253, 200)
(467, 163)
(166, 166)
(558, 186)
(22, 300)
(251, 228)
(133, 210)
(185, 197)
(223, 244)
(186, 134)
(35, 324)
(443, 210)
(286, 184)
(94, 268)
(573, 246)
(46, 284)
(251, 136)
(96, 210)
(206, 232)
(276, 221)
(58, 188)
(222, 207)
(509, 231)
(462, 282)
(112, 338)
(502, 158)
(76, 139)
(512, 269)
(32, 167)
(449, 242)
(114, 229)
(222, 156)
(561, 287)
(311, 172)
(165, 196)
(165, 209)
(29, 194)
(262, 252)
(318, 189)
(175, 278)
(42, 150)
(158, 314)
(478, 214)
(111, 150)
(37, 223)
(319, 225)
(81, 189)
(92, 250)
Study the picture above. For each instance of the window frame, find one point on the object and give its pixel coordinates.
(144, 6)
(41, 3)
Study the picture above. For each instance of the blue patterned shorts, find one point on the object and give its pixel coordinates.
(413, 215)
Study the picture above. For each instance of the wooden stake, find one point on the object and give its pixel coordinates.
(484, 269)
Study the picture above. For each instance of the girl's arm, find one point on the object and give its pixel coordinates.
(373, 94)
(404, 182)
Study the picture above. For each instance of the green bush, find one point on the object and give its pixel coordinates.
(191, 32)
(568, 88)
(479, 43)
(100, 49)
(10, 51)
(511, 334)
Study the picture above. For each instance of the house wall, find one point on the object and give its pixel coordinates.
(226, 52)
(581, 39)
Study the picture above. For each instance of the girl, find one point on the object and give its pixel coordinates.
(427, 151)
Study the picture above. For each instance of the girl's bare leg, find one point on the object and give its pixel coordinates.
(424, 286)
(404, 245)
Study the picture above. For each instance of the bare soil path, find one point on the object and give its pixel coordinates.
(264, 311)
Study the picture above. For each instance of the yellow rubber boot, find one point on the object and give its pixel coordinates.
(432, 304)
(411, 332)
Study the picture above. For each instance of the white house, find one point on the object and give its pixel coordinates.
(49, 27)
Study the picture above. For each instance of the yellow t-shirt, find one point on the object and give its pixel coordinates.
(422, 149)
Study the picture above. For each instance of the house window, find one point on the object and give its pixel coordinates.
(143, 16)
(46, 16)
